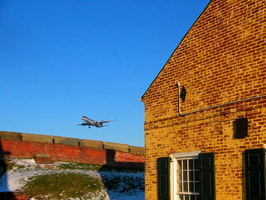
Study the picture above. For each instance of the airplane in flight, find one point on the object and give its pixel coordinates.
(90, 122)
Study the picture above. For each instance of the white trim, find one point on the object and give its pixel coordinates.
(185, 154)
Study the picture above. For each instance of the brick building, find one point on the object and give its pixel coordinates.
(205, 112)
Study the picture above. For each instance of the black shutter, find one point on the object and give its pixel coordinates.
(241, 128)
(255, 174)
(163, 178)
(206, 176)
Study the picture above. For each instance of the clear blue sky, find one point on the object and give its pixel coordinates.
(61, 59)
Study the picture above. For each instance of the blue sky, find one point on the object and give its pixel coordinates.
(61, 59)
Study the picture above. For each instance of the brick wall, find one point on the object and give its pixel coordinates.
(221, 59)
(42, 147)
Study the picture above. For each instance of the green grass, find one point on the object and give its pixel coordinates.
(83, 166)
(62, 186)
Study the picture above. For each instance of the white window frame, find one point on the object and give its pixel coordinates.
(173, 166)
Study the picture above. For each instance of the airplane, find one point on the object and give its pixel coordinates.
(90, 122)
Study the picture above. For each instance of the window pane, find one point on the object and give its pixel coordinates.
(186, 197)
(196, 175)
(196, 164)
(184, 164)
(196, 187)
(185, 187)
(181, 197)
(184, 175)
(191, 176)
(191, 187)
(191, 164)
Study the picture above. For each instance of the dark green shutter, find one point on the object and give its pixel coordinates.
(163, 178)
(255, 174)
(207, 176)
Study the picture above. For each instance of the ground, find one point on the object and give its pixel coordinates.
(53, 181)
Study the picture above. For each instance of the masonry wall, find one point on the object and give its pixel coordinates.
(222, 59)
(22, 145)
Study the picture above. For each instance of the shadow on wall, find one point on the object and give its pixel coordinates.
(111, 161)
(121, 181)
(4, 193)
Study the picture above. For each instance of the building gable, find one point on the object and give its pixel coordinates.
(216, 56)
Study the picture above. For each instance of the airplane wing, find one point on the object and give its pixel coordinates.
(102, 122)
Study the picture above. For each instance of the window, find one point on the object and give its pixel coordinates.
(185, 176)
(191, 175)
(187, 179)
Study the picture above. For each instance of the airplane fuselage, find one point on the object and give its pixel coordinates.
(90, 122)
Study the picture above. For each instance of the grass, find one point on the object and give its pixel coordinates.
(82, 186)
(83, 166)
(62, 186)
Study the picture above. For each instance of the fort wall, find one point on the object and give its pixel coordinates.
(23, 145)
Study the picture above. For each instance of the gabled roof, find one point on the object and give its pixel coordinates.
(177, 47)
